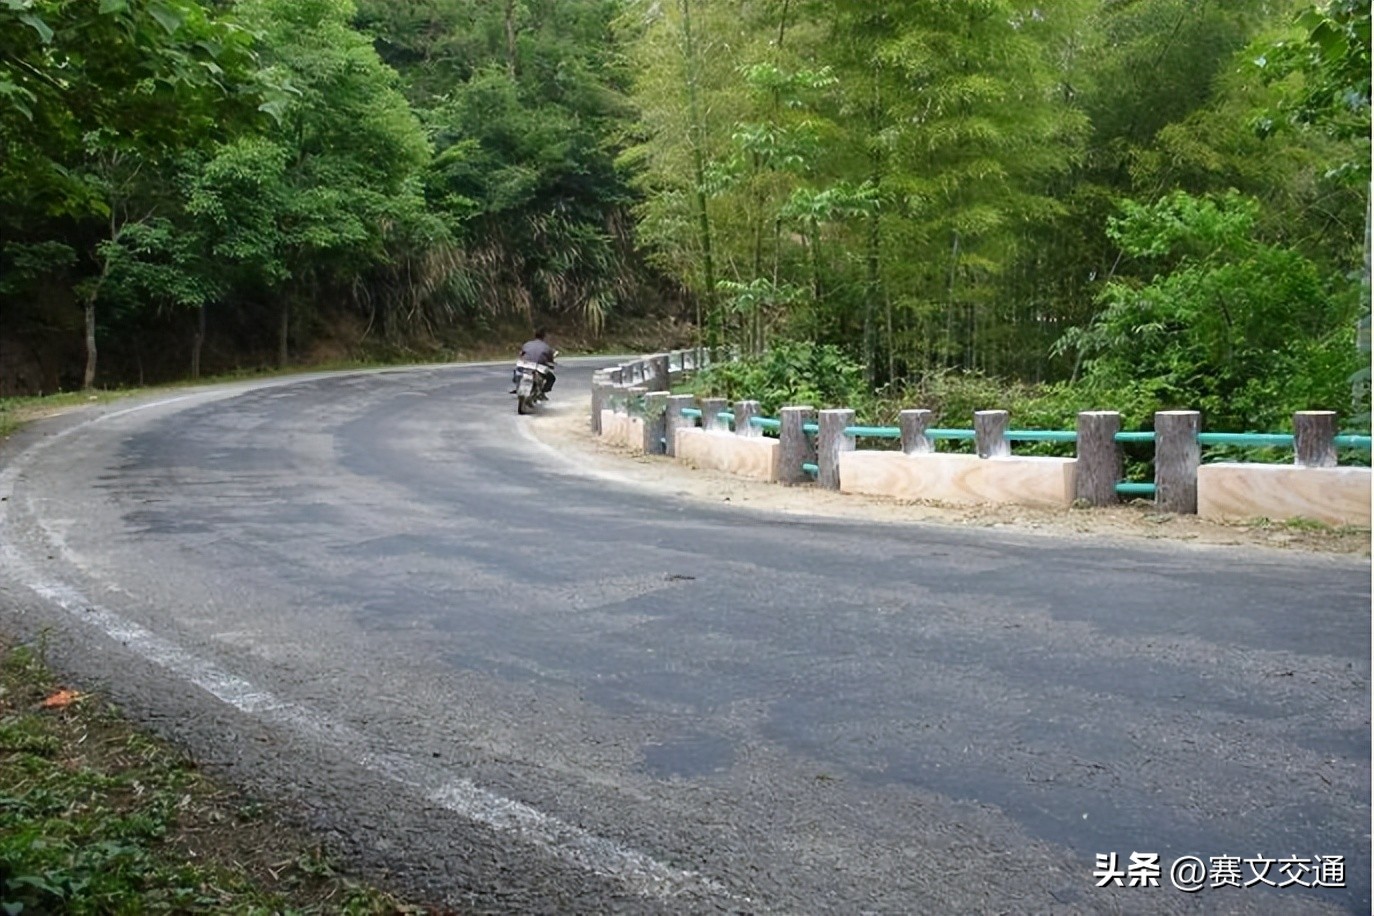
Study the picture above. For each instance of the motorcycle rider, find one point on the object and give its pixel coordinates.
(537, 351)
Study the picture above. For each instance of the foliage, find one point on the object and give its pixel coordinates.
(796, 372)
(1216, 328)
(1333, 57)
(522, 102)
(925, 186)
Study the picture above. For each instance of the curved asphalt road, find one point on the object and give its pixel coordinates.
(519, 689)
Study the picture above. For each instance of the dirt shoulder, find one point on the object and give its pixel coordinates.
(100, 816)
(563, 427)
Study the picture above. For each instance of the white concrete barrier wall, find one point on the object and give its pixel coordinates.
(959, 479)
(1336, 496)
(622, 430)
(743, 456)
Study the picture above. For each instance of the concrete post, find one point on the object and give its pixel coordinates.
(655, 423)
(674, 420)
(914, 439)
(600, 386)
(990, 433)
(658, 379)
(830, 444)
(794, 446)
(614, 395)
(709, 408)
(1177, 456)
(634, 400)
(1314, 434)
(744, 410)
(1098, 467)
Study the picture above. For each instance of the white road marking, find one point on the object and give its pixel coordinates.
(638, 872)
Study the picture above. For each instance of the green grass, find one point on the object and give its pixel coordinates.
(96, 817)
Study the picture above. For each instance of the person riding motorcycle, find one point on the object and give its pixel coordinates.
(537, 351)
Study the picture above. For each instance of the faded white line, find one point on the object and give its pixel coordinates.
(640, 873)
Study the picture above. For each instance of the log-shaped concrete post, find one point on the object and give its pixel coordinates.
(744, 412)
(914, 424)
(1177, 456)
(674, 420)
(1098, 466)
(658, 373)
(710, 407)
(794, 445)
(990, 433)
(1314, 434)
(634, 400)
(831, 442)
(655, 422)
(601, 386)
(613, 397)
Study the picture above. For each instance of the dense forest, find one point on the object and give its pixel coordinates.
(1134, 202)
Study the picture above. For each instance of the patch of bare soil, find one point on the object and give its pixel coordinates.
(564, 427)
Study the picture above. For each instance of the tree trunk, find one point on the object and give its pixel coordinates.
(874, 244)
(89, 381)
(197, 343)
(698, 140)
(282, 332)
(949, 307)
(511, 67)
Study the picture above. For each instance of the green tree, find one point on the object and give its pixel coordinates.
(95, 101)
(524, 103)
(312, 202)
(1242, 329)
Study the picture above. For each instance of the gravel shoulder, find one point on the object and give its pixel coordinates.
(563, 427)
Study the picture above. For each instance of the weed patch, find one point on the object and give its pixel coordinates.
(97, 817)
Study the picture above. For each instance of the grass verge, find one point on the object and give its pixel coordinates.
(98, 817)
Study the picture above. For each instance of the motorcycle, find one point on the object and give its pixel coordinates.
(529, 386)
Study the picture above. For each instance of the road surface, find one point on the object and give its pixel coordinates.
(511, 687)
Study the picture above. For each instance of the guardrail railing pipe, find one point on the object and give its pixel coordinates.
(990, 433)
(1099, 464)
(710, 407)
(794, 445)
(674, 420)
(831, 442)
(913, 424)
(655, 423)
(1177, 456)
(1314, 438)
(745, 411)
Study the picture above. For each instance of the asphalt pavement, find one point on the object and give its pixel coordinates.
(510, 687)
